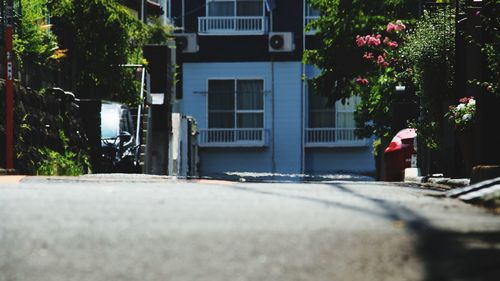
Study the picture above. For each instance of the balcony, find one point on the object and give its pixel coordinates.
(233, 137)
(232, 25)
(333, 137)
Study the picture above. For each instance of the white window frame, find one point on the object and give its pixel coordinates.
(236, 111)
(335, 136)
(235, 136)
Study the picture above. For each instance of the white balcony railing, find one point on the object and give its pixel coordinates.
(333, 137)
(232, 137)
(232, 25)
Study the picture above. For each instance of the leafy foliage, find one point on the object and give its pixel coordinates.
(490, 47)
(384, 71)
(340, 22)
(429, 55)
(34, 42)
(67, 164)
(100, 36)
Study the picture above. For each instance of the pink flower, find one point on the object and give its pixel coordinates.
(399, 25)
(373, 41)
(360, 41)
(464, 100)
(362, 81)
(390, 27)
(392, 44)
(381, 61)
(368, 56)
(395, 27)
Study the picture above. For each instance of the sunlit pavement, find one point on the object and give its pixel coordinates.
(127, 227)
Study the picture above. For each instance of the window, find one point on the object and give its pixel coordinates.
(339, 116)
(311, 12)
(310, 15)
(332, 125)
(235, 113)
(235, 104)
(239, 8)
(320, 115)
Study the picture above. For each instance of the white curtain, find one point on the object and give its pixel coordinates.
(345, 112)
(250, 98)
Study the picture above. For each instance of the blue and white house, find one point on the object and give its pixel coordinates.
(240, 77)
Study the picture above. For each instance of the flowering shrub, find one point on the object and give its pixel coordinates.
(462, 115)
(381, 52)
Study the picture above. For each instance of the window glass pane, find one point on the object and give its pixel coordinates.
(124, 125)
(320, 115)
(249, 8)
(221, 8)
(349, 104)
(109, 122)
(220, 119)
(221, 95)
(250, 94)
(250, 120)
(321, 119)
(345, 120)
(311, 12)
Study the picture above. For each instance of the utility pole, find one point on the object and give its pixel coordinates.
(9, 88)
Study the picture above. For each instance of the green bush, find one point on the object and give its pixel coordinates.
(55, 164)
(429, 54)
(67, 164)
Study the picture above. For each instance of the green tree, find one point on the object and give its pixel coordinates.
(340, 22)
(33, 41)
(100, 35)
(429, 56)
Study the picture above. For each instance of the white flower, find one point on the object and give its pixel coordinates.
(461, 107)
(467, 117)
(472, 102)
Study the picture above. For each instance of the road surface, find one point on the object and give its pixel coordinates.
(125, 227)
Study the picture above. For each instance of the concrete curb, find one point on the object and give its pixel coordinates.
(7, 172)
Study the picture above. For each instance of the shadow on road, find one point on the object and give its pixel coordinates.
(446, 255)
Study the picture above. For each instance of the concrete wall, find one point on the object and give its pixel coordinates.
(357, 160)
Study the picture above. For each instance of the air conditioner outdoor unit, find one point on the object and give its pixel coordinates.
(187, 42)
(281, 42)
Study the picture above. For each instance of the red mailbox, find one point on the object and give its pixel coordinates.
(397, 156)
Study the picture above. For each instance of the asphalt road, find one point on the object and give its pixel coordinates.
(149, 228)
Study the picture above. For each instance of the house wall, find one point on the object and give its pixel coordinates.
(358, 160)
(283, 153)
(286, 102)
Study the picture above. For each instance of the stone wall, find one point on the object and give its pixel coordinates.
(41, 120)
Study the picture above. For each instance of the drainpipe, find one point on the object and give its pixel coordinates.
(142, 11)
(183, 16)
(273, 116)
(303, 92)
(9, 87)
